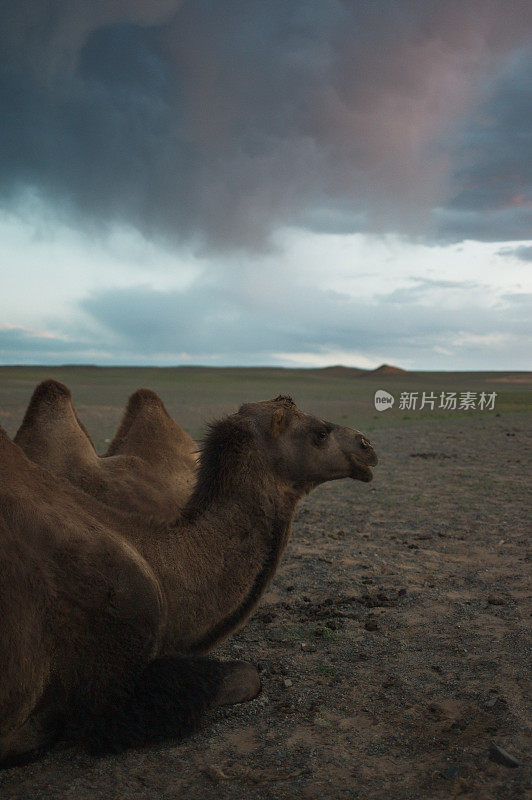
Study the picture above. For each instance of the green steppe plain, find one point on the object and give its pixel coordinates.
(197, 395)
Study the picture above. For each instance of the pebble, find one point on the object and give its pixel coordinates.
(496, 600)
(450, 772)
(216, 773)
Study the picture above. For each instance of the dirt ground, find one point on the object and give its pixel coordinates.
(392, 645)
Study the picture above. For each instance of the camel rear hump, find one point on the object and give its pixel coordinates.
(51, 433)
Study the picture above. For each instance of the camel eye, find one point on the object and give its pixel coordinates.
(321, 436)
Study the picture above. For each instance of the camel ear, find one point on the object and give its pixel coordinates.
(278, 421)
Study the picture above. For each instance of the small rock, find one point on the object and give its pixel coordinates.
(285, 707)
(450, 772)
(496, 600)
(437, 711)
(500, 755)
(287, 683)
(372, 625)
(308, 647)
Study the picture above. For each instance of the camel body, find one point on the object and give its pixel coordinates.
(106, 614)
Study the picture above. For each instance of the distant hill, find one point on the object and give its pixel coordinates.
(388, 369)
(339, 371)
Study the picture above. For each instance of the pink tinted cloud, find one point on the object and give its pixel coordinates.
(7, 326)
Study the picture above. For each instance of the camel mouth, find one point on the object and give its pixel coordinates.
(361, 472)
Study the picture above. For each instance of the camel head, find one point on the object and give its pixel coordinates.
(305, 450)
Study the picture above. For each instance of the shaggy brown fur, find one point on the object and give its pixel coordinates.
(105, 618)
(149, 468)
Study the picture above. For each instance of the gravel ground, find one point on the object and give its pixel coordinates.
(392, 645)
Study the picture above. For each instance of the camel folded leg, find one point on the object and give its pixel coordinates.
(169, 701)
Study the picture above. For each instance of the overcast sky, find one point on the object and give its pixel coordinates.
(303, 183)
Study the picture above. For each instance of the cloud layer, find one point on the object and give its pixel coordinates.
(425, 323)
(304, 182)
(217, 123)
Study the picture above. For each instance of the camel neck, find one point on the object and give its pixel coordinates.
(215, 563)
(249, 559)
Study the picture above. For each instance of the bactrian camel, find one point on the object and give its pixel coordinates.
(106, 621)
(149, 468)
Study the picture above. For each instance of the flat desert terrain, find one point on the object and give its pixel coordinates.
(394, 642)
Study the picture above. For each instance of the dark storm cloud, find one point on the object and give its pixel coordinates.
(493, 199)
(220, 122)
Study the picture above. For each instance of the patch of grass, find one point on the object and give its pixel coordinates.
(327, 670)
(294, 632)
(299, 632)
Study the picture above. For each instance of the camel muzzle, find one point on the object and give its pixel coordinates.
(362, 457)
